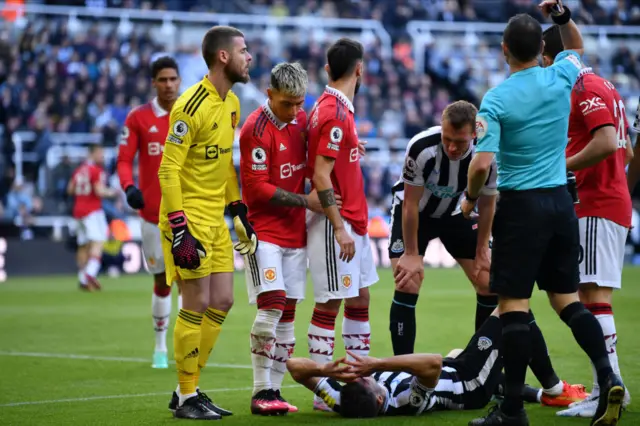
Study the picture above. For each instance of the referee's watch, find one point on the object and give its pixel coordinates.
(469, 197)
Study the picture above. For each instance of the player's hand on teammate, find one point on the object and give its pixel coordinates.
(338, 370)
(362, 366)
(134, 197)
(247, 238)
(551, 7)
(314, 204)
(409, 269)
(347, 245)
(186, 250)
(468, 208)
(362, 149)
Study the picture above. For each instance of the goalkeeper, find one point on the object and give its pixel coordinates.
(197, 181)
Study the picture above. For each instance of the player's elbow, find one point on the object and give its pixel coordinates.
(319, 179)
(607, 140)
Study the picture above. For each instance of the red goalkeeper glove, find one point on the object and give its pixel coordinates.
(247, 238)
(186, 250)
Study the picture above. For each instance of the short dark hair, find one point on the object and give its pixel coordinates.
(552, 42)
(358, 401)
(460, 114)
(162, 63)
(216, 39)
(343, 56)
(523, 37)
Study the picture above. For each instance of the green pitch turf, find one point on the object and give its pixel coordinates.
(72, 358)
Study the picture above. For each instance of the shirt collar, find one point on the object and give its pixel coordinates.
(341, 96)
(584, 71)
(272, 117)
(209, 86)
(157, 109)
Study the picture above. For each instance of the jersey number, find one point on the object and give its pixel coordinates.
(155, 148)
(618, 113)
(82, 184)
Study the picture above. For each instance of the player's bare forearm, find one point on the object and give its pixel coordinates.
(629, 154)
(410, 221)
(486, 210)
(571, 37)
(426, 367)
(479, 170)
(603, 144)
(288, 199)
(305, 371)
(324, 188)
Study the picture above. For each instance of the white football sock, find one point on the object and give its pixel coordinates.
(321, 341)
(183, 398)
(161, 310)
(285, 344)
(356, 336)
(93, 267)
(555, 390)
(263, 346)
(82, 278)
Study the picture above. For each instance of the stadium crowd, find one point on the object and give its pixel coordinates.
(55, 80)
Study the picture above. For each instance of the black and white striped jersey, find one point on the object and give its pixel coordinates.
(405, 394)
(444, 180)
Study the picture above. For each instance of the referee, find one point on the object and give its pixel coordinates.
(524, 122)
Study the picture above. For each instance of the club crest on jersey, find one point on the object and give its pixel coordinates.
(234, 119)
(258, 155)
(269, 274)
(416, 399)
(397, 246)
(180, 128)
(151, 261)
(484, 343)
(346, 281)
(336, 134)
(481, 127)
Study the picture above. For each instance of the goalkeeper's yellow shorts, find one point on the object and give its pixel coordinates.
(216, 242)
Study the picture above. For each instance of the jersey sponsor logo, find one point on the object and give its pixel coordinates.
(592, 105)
(173, 139)
(442, 191)
(286, 170)
(180, 128)
(155, 148)
(484, 343)
(353, 155)
(397, 246)
(211, 152)
(258, 155)
(269, 274)
(153, 129)
(282, 147)
(124, 136)
(336, 134)
(234, 118)
(346, 281)
(481, 127)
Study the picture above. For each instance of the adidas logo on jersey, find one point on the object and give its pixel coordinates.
(215, 126)
(282, 147)
(153, 129)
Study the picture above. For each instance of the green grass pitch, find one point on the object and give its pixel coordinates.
(72, 358)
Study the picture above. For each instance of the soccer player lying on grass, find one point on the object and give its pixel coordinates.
(414, 383)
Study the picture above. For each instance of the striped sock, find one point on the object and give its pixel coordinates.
(322, 335)
(211, 327)
(356, 330)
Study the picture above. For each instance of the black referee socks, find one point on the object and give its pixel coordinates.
(402, 322)
(588, 333)
(485, 305)
(540, 362)
(516, 351)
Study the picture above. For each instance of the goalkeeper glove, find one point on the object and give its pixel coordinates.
(186, 250)
(247, 238)
(134, 197)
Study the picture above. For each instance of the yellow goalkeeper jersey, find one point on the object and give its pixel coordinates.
(197, 173)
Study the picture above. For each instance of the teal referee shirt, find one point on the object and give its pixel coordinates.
(524, 121)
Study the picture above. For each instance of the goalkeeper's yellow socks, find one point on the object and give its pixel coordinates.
(187, 350)
(210, 330)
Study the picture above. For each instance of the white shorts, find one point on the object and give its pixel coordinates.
(152, 247)
(333, 278)
(92, 228)
(275, 268)
(602, 244)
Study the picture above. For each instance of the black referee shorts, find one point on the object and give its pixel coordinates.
(458, 235)
(535, 239)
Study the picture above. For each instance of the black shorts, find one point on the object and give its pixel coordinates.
(478, 369)
(458, 235)
(535, 239)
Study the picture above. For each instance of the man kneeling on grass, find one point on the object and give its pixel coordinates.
(411, 384)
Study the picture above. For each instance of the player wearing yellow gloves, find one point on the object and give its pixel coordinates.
(197, 180)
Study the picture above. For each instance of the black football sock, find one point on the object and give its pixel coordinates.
(588, 333)
(484, 308)
(402, 322)
(540, 363)
(516, 350)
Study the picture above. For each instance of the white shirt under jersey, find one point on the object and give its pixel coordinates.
(426, 164)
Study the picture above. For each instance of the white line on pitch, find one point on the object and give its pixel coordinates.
(138, 395)
(105, 358)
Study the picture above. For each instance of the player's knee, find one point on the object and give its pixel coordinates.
(361, 301)
(434, 365)
(412, 287)
(160, 287)
(329, 306)
(559, 301)
(272, 300)
(481, 287)
(223, 303)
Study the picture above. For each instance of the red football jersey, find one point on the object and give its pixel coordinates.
(273, 155)
(332, 133)
(144, 133)
(602, 188)
(84, 179)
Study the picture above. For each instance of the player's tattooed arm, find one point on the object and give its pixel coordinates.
(288, 199)
(327, 198)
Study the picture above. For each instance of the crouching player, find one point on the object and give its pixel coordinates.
(272, 162)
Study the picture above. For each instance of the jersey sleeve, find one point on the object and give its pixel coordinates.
(416, 397)
(255, 149)
(415, 165)
(491, 185)
(183, 129)
(329, 391)
(127, 150)
(331, 135)
(593, 110)
(567, 65)
(488, 129)
(232, 189)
